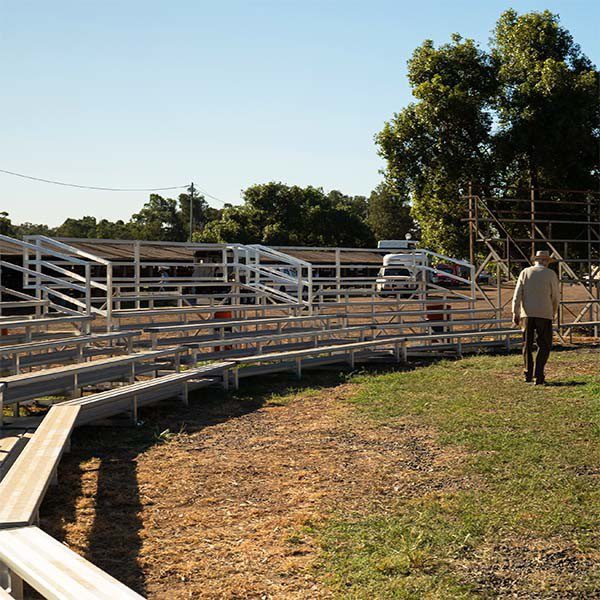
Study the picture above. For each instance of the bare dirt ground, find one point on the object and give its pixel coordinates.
(220, 509)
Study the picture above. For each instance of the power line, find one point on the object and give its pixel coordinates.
(95, 187)
(209, 196)
(110, 189)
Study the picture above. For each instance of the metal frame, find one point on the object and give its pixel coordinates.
(507, 231)
(65, 278)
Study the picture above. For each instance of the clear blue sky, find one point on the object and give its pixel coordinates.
(139, 93)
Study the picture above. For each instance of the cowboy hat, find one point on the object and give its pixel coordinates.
(544, 254)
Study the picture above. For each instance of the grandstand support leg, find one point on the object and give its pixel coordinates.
(11, 582)
(225, 379)
(299, 368)
(397, 352)
(351, 359)
(76, 388)
(132, 373)
(177, 362)
(134, 409)
(16, 586)
(459, 352)
(16, 409)
(79, 354)
(404, 351)
(185, 398)
(507, 344)
(236, 377)
(17, 364)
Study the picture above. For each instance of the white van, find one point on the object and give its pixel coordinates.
(400, 273)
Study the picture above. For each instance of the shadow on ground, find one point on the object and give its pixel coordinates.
(98, 499)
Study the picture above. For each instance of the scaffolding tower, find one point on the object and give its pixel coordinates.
(506, 228)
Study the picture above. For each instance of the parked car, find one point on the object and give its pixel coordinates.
(441, 279)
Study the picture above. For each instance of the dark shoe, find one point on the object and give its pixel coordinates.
(540, 382)
(528, 379)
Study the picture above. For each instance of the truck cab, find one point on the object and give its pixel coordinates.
(399, 274)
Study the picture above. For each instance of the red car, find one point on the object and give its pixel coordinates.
(441, 279)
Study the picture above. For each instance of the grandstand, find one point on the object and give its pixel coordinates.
(92, 329)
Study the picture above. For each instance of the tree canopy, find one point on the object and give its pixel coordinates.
(278, 214)
(523, 112)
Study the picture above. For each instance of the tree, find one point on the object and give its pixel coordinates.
(6, 226)
(201, 212)
(438, 143)
(280, 215)
(357, 205)
(158, 220)
(110, 230)
(33, 229)
(389, 214)
(77, 228)
(547, 104)
(233, 224)
(525, 113)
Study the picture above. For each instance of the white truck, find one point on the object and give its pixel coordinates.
(401, 273)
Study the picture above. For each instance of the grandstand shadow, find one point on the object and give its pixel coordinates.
(98, 504)
(114, 540)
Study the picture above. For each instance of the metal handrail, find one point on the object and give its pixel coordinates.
(71, 249)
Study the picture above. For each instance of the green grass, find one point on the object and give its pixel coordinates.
(526, 490)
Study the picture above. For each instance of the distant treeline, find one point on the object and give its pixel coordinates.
(271, 213)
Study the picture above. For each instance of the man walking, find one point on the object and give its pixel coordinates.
(534, 306)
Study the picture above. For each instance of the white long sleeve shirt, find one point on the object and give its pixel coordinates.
(537, 293)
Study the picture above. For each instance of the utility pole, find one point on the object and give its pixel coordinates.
(191, 190)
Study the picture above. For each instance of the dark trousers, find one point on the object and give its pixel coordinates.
(536, 331)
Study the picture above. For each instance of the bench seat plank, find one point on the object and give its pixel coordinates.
(54, 570)
(239, 323)
(22, 489)
(45, 321)
(370, 343)
(69, 341)
(110, 402)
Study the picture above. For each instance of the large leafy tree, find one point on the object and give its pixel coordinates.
(524, 113)
(442, 140)
(77, 228)
(202, 212)
(547, 104)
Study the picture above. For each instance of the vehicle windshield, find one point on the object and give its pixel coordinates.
(396, 272)
(445, 269)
